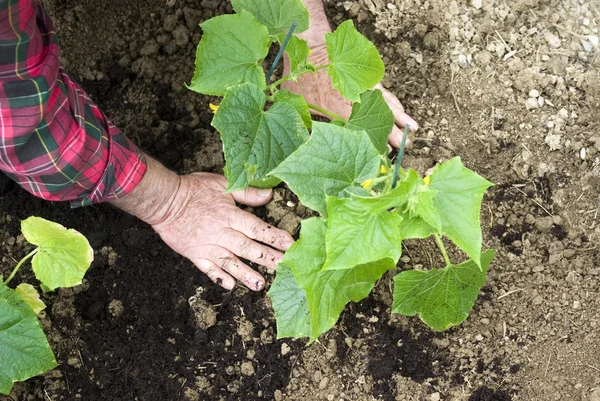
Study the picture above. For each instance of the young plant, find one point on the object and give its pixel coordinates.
(367, 205)
(60, 260)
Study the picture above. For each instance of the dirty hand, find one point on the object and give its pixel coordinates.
(317, 89)
(198, 220)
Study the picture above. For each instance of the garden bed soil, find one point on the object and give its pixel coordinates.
(146, 325)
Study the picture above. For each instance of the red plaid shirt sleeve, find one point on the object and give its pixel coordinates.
(54, 141)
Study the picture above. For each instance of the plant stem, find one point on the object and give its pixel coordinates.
(280, 53)
(275, 84)
(322, 67)
(400, 156)
(16, 269)
(328, 113)
(440, 244)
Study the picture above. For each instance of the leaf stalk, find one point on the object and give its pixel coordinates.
(18, 266)
(328, 113)
(440, 244)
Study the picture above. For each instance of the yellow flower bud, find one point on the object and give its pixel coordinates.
(383, 169)
(426, 179)
(368, 184)
(213, 107)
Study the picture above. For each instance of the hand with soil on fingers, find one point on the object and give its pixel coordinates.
(198, 220)
(317, 89)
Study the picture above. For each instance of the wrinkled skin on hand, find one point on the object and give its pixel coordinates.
(204, 224)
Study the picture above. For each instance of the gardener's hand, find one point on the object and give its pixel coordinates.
(195, 217)
(317, 89)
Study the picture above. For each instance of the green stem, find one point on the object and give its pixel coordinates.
(328, 113)
(440, 244)
(275, 84)
(16, 269)
(321, 67)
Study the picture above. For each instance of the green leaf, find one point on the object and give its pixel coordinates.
(442, 297)
(415, 227)
(276, 15)
(355, 236)
(64, 255)
(255, 141)
(231, 52)
(406, 189)
(355, 62)
(290, 305)
(298, 52)
(458, 203)
(297, 102)
(29, 294)
(24, 349)
(327, 291)
(373, 116)
(333, 159)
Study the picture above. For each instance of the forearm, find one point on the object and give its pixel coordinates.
(152, 198)
(318, 24)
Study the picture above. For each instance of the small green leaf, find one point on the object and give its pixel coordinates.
(333, 159)
(373, 116)
(29, 294)
(406, 188)
(64, 255)
(231, 52)
(24, 349)
(355, 62)
(327, 291)
(356, 237)
(255, 141)
(277, 15)
(297, 102)
(298, 52)
(290, 305)
(441, 297)
(458, 203)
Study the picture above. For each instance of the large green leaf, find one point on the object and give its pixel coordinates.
(373, 116)
(355, 62)
(255, 141)
(297, 102)
(441, 297)
(277, 15)
(290, 305)
(458, 203)
(24, 349)
(356, 236)
(333, 159)
(231, 52)
(327, 291)
(64, 256)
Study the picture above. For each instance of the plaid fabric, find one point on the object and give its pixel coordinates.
(54, 141)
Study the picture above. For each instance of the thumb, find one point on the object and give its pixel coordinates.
(253, 196)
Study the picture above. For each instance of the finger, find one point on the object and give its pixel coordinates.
(253, 227)
(238, 269)
(252, 196)
(251, 250)
(395, 138)
(217, 275)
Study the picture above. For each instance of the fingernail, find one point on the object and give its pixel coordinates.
(264, 193)
(229, 285)
(260, 285)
